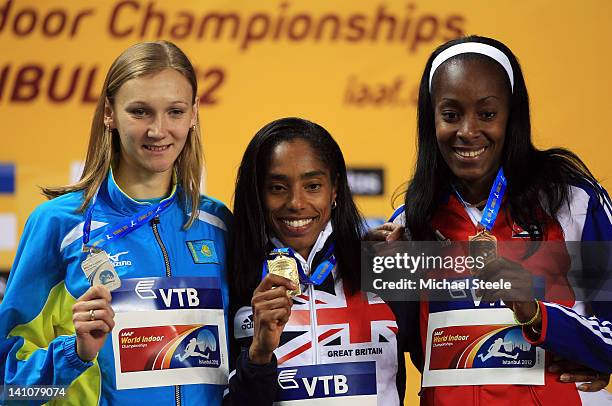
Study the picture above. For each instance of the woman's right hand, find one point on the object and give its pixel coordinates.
(385, 232)
(93, 319)
(271, 311)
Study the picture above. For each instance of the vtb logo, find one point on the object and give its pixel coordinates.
(186, 297)
(332, 384)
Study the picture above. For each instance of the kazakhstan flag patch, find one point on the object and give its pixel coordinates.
(203, 251)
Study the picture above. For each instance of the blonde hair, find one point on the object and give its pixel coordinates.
(103, 150)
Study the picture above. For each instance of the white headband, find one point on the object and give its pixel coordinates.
(475, 48)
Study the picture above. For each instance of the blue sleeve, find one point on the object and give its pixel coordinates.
(587, 340)
(597, 225)
(37, 341)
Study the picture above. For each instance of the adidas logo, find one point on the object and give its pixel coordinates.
(247, 323)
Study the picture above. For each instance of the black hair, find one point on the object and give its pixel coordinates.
(538, 180)
(248, 245)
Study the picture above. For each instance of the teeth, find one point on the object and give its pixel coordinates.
(297, 223)
(156, 148)
(470, 154)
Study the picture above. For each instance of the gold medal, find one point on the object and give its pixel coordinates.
(483, 244)
(286, 267)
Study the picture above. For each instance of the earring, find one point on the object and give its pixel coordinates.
(107, 130)
(334, 204)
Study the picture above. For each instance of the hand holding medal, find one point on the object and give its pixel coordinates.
(519, 298)
(503, 269)
(271, 310)
(92, 316)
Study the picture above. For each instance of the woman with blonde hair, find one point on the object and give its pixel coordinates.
(136, 225)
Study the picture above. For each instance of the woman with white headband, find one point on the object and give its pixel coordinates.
(480, 179)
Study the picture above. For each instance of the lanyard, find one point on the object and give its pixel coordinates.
(320, 273)
(122, 229)
(491, 210)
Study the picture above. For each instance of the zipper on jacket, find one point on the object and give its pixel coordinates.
(313, 320)
(177, 395)
(154, 223)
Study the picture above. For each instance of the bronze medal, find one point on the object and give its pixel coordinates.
(483, 244)
(286, 267)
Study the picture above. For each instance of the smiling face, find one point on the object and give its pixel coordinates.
(153, 115)
(471, 105)
(298, 195)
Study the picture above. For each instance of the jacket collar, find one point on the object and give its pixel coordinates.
(121, 202)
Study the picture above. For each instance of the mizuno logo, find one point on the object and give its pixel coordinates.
(115, 257)
(116, 262)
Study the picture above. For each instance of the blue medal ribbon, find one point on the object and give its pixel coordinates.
(88, 215)
(491, 210)
(320, 273)
(496, 195)
(127, 226)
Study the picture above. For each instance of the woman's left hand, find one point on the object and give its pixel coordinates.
(93, 319)
(519, 297)
(571, 372)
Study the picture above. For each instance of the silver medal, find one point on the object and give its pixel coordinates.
(99, 270)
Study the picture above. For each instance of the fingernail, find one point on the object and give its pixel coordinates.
(564, 378)
(583, 387)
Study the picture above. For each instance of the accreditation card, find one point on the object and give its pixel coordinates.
(479, 347)
(169, 331)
